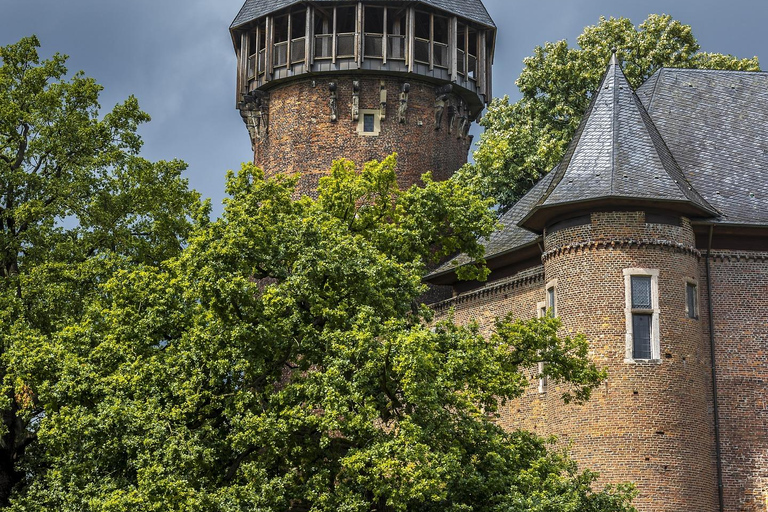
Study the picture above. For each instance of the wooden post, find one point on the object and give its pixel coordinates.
(431, 41)
(242, 77)
(333, 38)
(489, 71)
(269, 48)
(289, 37)
(481, 64)
(410, 37)
(453, 34)
(257, 49)
(384, 38)
(359, 35)
(308, 41)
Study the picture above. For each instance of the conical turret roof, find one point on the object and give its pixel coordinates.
(617, 157)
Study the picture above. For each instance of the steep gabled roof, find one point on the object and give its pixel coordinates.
(716, 125)
(473, 10)
(616, 156)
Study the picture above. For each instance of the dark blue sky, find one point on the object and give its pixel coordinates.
(176, 56)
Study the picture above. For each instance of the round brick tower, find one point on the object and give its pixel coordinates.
(651, 423)
(322, 80)
(621, 266)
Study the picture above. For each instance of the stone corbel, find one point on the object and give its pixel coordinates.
(466, 124)
(332, 102)
(451, 118)
(255, 114)
(355, 100)
(383, 101)
(403, 107)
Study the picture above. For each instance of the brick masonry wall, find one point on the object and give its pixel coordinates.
(740, 302)
(517, 294)
(303, 139)
(650, 423)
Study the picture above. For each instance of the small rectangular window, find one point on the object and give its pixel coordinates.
(368, 123)
(691, 303)
(641, 329)
(641, 292)
(541, 308)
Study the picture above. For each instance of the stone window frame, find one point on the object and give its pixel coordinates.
(695, 283)
(655, 313)
(549, 304)
(541, 311)
(551, 285)
(376, 122)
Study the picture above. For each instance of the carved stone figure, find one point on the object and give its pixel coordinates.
(332, 102)
(403, 108)
(383, 101)
(355, 100)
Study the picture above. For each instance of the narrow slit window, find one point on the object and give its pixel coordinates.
(692, 300)
(541, 308)
(551, 305)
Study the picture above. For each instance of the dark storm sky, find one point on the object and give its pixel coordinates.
(177, 57)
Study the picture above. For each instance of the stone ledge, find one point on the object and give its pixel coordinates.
(618, 244)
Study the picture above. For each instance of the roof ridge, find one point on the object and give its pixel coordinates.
(713, 71)
(659, 71)
(562, 165)
(617, 72)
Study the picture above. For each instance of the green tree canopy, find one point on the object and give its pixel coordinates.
(76, 203)
(283, 362)
(525, 140)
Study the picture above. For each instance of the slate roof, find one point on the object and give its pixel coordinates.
(686, 136)
(473, 10)
(617, 154)
(716, 125)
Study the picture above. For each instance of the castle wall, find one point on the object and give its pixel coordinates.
(652, 422)
(303, 139)
(740, 302)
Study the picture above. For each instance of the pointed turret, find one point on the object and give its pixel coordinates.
(616, 158)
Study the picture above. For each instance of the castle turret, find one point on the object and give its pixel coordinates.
(323, 80)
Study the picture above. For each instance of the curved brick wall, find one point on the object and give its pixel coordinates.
(651, 423)
(303, 139)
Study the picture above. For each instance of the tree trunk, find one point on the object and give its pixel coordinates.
(9, 476)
